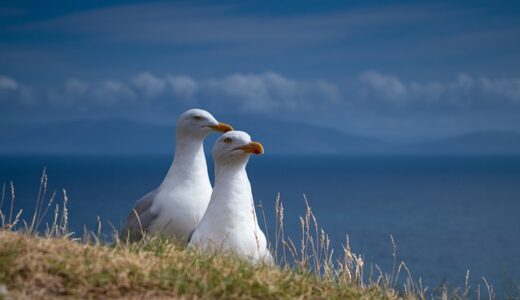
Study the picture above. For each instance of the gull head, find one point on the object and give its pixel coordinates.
(235, 146)
(199, 123)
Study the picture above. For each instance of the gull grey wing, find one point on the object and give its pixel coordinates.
(140, 218)
(191, 235)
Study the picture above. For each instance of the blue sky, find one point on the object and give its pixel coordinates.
(390, 70)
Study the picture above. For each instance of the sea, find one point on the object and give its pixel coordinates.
(446, 214)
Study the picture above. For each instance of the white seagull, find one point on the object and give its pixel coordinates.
(230, 222)
(175, 208)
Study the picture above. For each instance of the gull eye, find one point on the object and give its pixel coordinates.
(228, 140)
(197, 118)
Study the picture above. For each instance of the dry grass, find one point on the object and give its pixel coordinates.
(34, 267)
(54, 264)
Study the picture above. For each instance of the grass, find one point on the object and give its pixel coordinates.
(35, 267)
(54, 263)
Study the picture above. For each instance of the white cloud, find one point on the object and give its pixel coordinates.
(149, 84)
(384, 86)
(8, 83)
(271, 91)
(464, 83)
(110, 92)
(463, 91)
(250, 91)
(183, 86)
(506, 87)
(83, 95)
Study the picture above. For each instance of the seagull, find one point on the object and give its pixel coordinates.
(175, 208)
(230, 222)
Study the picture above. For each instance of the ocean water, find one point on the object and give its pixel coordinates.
(446, 214)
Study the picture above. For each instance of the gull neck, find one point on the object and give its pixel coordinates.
(232, 185)
(189, 162)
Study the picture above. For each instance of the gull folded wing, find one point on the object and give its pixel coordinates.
(140, 218)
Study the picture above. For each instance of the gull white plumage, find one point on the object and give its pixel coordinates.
(175, 208)
(230, 222)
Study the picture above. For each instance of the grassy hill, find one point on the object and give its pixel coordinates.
(35, 267)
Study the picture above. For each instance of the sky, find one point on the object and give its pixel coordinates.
(392, 70)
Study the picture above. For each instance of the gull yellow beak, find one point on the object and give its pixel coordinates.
(222, 127)
(253, 147)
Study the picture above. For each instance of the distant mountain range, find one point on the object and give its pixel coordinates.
(473, 143)
(278, 137)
